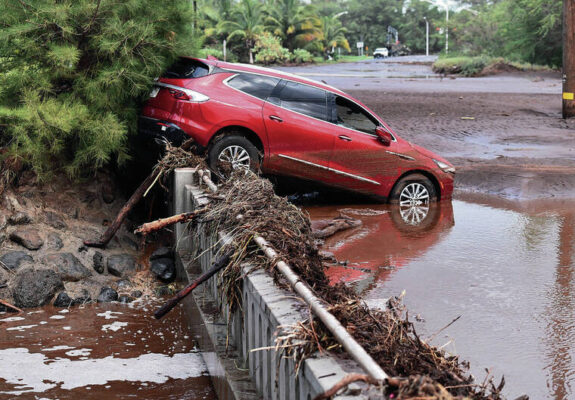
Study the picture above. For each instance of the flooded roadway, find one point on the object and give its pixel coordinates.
(508, 274)
(100, 351)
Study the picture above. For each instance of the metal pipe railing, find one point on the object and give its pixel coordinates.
(341, 334)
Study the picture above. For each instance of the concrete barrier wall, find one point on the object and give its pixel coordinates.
(266, 308)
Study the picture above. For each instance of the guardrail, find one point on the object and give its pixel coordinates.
(230, 339)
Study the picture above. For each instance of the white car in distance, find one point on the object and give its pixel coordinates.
(381, 52)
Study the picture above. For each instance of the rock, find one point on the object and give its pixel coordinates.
(3, 222)
(163, 291)
(123, 284)
(137, 294)
(13, 259)
(3, 237)
(54, 220)
(164, 269)
(162, 252)
(28, 238)
(63, 300)
(108, 194)
(98, 259)
(128, 241)
(54, 241)
(125, 299)
(67, 265)
(20, 218)
(121, 264)
(35, 288)
(83, 298)
(107, 295)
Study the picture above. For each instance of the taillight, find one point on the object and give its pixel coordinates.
(178, 94)
(181, 93)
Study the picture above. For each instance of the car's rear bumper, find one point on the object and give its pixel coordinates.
(156, 132)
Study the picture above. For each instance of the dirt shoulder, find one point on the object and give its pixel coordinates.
(514, 146)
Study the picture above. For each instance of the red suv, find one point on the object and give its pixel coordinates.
(282, 124)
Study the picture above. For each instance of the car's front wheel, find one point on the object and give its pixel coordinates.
(413, 190)
(233, 153)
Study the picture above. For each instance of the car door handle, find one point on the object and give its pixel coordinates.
(276, 118)
(346, 138)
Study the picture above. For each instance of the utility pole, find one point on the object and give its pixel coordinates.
(446, 26)
(426, 36)
(568, 58)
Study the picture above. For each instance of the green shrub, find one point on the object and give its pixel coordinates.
(302, 56)
(268, 50)
(74, 73)
(466, 66)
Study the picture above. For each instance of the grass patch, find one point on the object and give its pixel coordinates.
(466, 66)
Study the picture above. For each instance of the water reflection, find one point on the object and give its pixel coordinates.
(508, 270)
(388, 238)
(560, 324)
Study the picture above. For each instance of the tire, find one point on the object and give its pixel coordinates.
(413, 190)
(233, 152)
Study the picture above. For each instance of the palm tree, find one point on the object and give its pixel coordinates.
(333, 34)
(291, 21)
(247, 23)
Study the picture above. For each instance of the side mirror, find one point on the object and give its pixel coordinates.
(383, 136)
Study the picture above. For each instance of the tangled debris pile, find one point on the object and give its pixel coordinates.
(246, 206)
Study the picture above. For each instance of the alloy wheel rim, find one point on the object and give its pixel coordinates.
(414, 194)
(236, 156)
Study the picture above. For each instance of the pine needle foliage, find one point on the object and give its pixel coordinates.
(74, 72)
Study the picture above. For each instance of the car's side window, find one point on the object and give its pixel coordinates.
(303, 99)
(256, 85)
(351, 115)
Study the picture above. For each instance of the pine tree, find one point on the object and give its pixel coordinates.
(74, 72)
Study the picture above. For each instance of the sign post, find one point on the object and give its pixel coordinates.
(360, 48)
(568, 59)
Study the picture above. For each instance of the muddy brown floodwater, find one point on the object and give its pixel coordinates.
(509, 274)
(100, 351)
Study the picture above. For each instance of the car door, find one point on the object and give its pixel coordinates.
(359, 161)
(299, 135)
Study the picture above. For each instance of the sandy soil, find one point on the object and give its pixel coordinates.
(515, 146)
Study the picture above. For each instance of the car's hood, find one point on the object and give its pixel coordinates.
(429, 154)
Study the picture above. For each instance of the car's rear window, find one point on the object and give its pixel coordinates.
(257, 85)
(186, 68)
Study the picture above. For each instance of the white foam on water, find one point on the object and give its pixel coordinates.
(109, 314)
(79, 352)
(67, 328)
(57, 317)
(21, 328)
(12, 319)
(56, 348)
(31, 373)
(114, 326)
(64, 311)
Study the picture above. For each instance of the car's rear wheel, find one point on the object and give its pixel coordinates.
(231, 153)
(413, 190)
